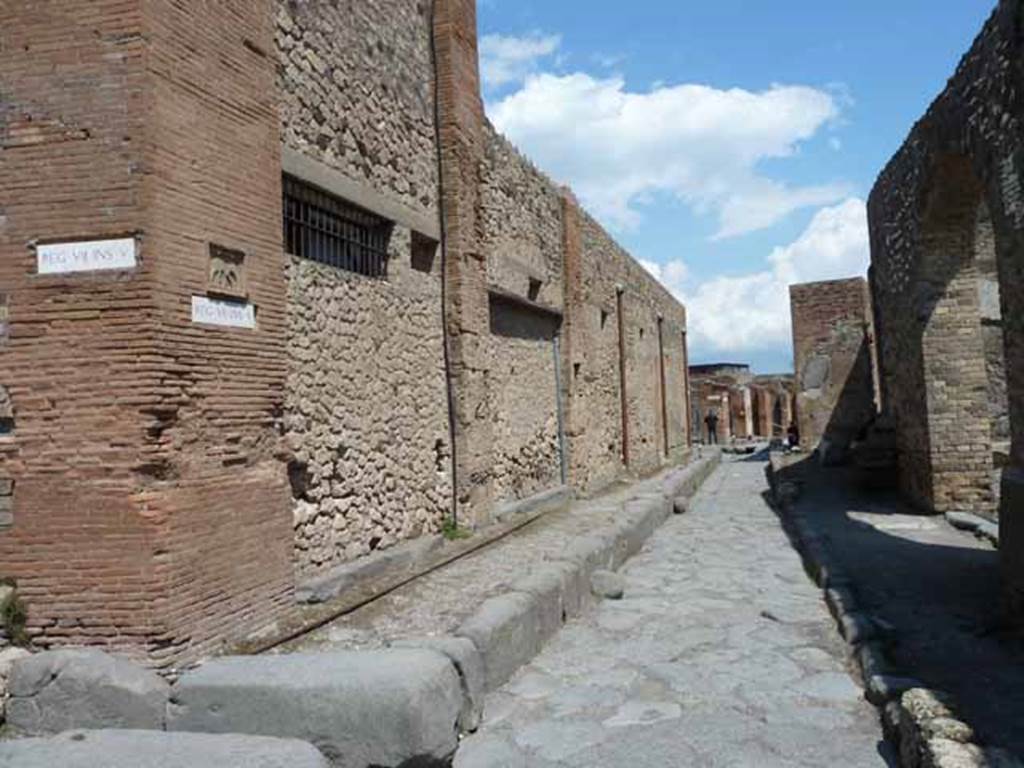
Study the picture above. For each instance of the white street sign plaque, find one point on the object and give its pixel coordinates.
(90, 256)
(227, 314)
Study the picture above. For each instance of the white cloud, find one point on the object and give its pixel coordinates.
(506, 59)
(700, 144)
(748, 312)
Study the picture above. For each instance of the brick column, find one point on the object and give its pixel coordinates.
(150, 500)
(467, 306)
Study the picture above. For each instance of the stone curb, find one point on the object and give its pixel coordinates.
(979, 526)
(393, 707)
(510, 629)
(918, 721)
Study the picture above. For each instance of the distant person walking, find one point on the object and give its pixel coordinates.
(712, 422)
(794, 435)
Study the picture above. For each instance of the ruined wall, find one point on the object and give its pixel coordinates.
(966, 155)
(832, 354)
(366, 412)
(164, 479)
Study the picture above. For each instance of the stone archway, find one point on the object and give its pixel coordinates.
(956, 303)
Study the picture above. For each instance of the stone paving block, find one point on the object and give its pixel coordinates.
(57, 691)
(156, 749)
(506, 631)
(490, 753)
(369, 708)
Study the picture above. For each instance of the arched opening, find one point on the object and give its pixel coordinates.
(778, 427)
(965, 428)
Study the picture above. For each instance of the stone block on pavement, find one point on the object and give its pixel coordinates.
(363, 708)
(608, 585)
(157, 749)
(57, 691)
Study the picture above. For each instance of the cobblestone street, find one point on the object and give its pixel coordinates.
(722, 653)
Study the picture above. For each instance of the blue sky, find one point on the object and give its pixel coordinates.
(730, 145)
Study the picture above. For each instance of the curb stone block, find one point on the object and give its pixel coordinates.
(857, 628)
(364, 708)
(593, 551)
(884, 688)
(157, 749)
(840, 601)
(570, 580)
(872, 659)
(63, 690)
(945, 753)
(505, 632)
(546, 587)
(470, 667)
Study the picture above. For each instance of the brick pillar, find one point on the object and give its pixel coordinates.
(150, 503)
(462, 146)
(572, 250)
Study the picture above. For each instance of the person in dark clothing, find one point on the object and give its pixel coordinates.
(794, 435)
(712, 421)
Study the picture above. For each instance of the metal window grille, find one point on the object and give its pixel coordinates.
(323, 228)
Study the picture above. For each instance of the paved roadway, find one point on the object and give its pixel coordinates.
(721, 654)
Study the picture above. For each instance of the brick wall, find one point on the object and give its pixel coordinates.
(833, 360)
(953, 191)
(138, 434)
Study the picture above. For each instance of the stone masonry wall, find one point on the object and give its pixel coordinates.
(366, 412)
(521, 221)
(965, 156)
(832, 353)
(602, 270)
(356, 92)
(366, 416)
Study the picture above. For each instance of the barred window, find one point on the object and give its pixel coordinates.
(324, 228)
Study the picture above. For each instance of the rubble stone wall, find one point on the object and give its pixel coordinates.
(366, 417)
(832, 352)
(356, 91)
(366, 412)
(928, 218)
(521, 224)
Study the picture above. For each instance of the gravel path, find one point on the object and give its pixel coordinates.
(721, 654)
